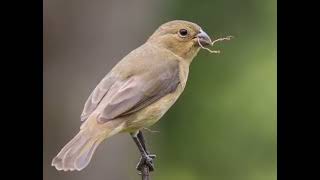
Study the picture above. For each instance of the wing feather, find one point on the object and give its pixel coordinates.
(141, 91)
(97, 95)
(134, 83)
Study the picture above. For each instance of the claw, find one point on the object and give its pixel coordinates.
(146, 160)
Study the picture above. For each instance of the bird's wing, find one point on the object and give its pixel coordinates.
(143, 85)
(139, 91)
(97, 95)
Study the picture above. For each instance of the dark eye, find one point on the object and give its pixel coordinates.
(183, 32)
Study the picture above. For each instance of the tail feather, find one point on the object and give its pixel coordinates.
(77, 154)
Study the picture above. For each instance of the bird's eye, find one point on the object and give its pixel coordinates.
(183, 32)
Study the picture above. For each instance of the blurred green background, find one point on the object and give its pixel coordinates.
(224, 124)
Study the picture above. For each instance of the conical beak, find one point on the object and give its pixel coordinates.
(204, 38)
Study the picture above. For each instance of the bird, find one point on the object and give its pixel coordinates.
(136, 93)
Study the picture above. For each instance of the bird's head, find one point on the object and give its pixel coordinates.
(180, 37)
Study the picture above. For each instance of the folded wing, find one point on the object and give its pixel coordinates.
(121, 97)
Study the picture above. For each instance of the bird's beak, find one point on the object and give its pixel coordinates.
(204, 38)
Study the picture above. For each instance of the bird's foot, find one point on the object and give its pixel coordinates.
(146, 160)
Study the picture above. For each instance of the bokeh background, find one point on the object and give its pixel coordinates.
(224, 124)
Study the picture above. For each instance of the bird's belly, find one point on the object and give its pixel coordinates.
(152, 113)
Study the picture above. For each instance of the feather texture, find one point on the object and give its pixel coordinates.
(126, 90)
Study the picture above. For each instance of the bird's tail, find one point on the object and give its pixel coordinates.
(77, 154)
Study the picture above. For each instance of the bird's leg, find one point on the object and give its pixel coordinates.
(146, 158)
(143, 143)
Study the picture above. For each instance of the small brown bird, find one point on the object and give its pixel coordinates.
(136, 93)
